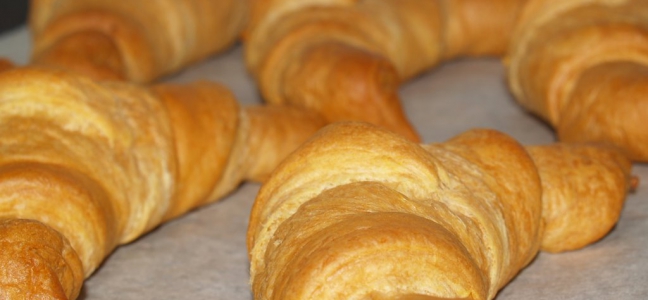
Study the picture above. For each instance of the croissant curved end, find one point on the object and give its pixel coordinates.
(35, 272)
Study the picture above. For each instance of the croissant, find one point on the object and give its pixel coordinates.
(347, 58)
(136, 40)
(86, 166)
(358, 212)
(583, 67)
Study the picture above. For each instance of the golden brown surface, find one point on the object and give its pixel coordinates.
(32, 252)
(346, 58)
(569, 62)
(136, 40)
(360, 213)
(87, 166)
(583, 188)
(583, 67)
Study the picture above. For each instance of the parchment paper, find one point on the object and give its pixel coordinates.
(203, 254)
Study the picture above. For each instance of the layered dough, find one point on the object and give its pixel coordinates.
(578, 64)
(136, 40)
(86, 166)
(346, 59)
(583, 67)
(361, 213)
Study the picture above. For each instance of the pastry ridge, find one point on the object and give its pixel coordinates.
(395, 218)
(86, 166)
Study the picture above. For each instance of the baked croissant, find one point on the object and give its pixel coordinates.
(87, 166)
(358, 212)
(583, 67)
(347, 58)
(137, 40)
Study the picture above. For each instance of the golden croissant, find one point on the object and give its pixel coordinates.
(138, 40)
(581, 65)
(86, 166)
(347, 58)
(358, 212)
